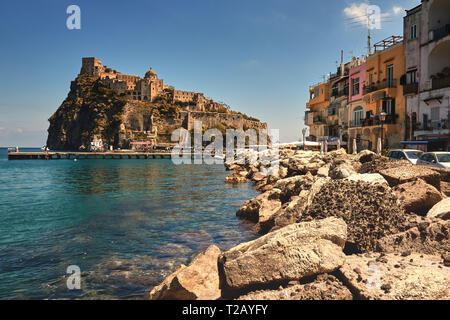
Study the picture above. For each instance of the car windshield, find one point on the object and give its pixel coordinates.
(443, 157)
(413, 154)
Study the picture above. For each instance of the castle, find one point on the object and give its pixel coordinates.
(148, 88)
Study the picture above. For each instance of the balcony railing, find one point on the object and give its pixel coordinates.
(339, 93)
(440, 83)
(368, 122)
(440, 33)
(410, 88)
(379, 86)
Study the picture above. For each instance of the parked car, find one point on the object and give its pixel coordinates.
(437, 159)
(405, 154)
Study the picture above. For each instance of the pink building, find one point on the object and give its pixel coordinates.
(357, 80)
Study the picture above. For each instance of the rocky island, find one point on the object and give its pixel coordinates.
(333, 226)
(123, 110)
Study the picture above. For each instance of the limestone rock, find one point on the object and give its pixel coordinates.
(371, 211)
(426, 237)
(408, 173)
(417, 196)
(295, 209)
(236, 178)
(325, 287)
(440, 210)
(254, 208)
(368, 177)
(293, 186)
(199, 280)
(396, 277)
(290, 253)
(341, 171)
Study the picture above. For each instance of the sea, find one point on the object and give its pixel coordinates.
(109, 229)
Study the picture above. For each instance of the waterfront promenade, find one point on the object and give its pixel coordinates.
(87, 155)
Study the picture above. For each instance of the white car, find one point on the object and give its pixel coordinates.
(436, 159)
(411, 155)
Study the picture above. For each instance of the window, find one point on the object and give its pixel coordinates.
(411, 77)
(371, 79)
(390, 75)
(388, 106)
(413, 32)
(357, 116)
(435, 114)
(355, 87)
(316, 93)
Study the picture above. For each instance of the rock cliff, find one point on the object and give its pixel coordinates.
(92, 110)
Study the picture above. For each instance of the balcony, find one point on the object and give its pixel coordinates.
(318, 120)
(412, 88)
(439, 83)
(339, 93)
(380, 86)
(439, 33)
(369, 122)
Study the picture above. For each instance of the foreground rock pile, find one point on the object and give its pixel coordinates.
(332, 226)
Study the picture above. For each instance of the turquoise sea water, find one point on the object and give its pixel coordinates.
(125, 223)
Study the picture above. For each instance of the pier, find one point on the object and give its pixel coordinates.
(88, 155)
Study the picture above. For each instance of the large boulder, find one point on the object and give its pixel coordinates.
(408, 173)
(368, 177)
(198, 281)
(237, 177)
(429, 237)
(293, 210)
(371, 211)
(325, 287)
(341, 170)
(258, 208)
(417, 196)
(290, 253)
(440, 210)
(292, 186)
(396, 277)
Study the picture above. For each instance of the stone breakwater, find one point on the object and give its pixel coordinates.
(332, 226)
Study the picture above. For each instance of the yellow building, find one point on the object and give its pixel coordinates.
(382, 95)
(317, 108)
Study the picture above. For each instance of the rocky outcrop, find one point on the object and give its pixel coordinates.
(371, 211)
(440, 210)
(324, 287)
(417, 196)
(290, 253)
(428, 236)
(396, 277)
(409, 173)
(198, 281)
(257, 209)
(237, 177)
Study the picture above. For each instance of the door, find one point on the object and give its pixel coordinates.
(390, 75)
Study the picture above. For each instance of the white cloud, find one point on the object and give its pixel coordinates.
(357, 12)
(397, 10)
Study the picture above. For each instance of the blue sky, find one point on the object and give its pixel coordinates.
(259, 56)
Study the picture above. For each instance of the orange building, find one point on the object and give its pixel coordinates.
(382, 95)
(317, 110)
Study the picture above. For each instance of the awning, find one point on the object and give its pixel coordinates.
(417, 142)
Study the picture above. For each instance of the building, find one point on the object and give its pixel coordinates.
(356, 105)
(427, 87)
(317, 110)
(381, 94)
(148, 88)
(327, 110)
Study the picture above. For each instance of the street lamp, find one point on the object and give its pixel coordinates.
(304, 134)
(382, 119)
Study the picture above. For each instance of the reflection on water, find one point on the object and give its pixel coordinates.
(125, 223)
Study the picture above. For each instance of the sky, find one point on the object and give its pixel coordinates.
(258, 56)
